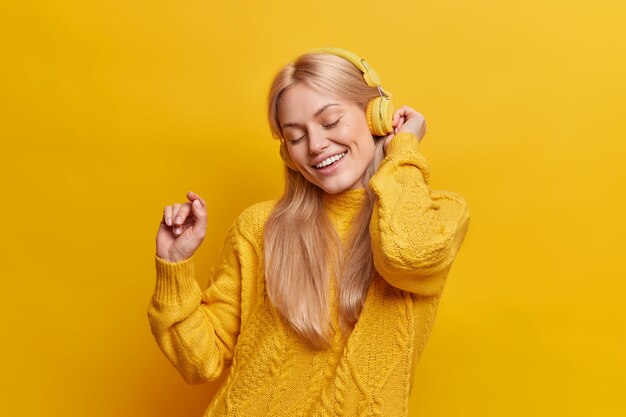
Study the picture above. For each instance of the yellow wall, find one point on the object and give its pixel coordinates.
(112, 109)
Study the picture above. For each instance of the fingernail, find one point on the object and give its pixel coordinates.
(178, 220)
(168, 221)
(197, 203)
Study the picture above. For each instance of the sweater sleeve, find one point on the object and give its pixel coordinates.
(197, 330)
(416, 232)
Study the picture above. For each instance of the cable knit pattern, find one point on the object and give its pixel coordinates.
(341, 381)
(231, 325)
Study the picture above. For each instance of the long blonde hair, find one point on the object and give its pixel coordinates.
(300, 243)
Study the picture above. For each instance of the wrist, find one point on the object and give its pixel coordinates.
(402, 141)
(173, 258)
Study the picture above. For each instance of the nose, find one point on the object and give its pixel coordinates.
(318, 142)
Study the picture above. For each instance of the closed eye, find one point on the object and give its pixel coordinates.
(294, 141)
(330, 126)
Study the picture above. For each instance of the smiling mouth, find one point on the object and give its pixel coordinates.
(329, 161)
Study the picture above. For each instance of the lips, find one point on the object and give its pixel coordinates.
(330, 160)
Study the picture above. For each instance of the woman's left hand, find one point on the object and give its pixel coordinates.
(407, 120)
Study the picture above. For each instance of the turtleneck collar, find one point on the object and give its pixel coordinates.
(346, 202)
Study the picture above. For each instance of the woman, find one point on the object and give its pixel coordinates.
(321, 302)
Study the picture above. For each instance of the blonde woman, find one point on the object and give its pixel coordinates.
(321, 302)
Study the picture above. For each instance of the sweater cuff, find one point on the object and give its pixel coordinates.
(403, 142)
(175, 281)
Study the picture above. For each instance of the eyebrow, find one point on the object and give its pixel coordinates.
(317, 113)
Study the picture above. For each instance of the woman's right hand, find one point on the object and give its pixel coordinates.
(182, 229)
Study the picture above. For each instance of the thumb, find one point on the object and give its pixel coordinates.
(199, 211)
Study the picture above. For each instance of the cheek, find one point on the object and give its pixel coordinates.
(367, 148)
(355, 132)
(299, 155)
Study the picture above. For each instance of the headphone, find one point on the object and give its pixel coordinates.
(379, 110)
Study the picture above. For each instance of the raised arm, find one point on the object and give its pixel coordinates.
(197, 330)
(416, 232)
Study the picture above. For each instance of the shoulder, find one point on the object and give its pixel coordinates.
(256, 213)
(250, 223)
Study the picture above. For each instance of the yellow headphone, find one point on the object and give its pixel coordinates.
(379, 110)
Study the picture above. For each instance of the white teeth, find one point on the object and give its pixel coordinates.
(330, 160)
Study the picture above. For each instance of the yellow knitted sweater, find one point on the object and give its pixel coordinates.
(272, 371)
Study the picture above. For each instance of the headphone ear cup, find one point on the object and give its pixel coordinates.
(379, 115)
(284, 155)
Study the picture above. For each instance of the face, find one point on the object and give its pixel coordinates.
(327, 138)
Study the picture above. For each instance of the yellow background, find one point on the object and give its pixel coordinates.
(110, 110)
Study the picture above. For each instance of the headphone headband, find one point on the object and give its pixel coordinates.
(371, 77)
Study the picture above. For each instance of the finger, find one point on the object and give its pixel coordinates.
(199, 211)
(167, 215)
(394, 122)
(401, 113)
(403, 110)
(396, 117)
(409, 112)
(175, 209)
(193, 196)
(182, 218)
(182, 214)
(401, 122)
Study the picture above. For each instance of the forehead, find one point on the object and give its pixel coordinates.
(300, 102)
